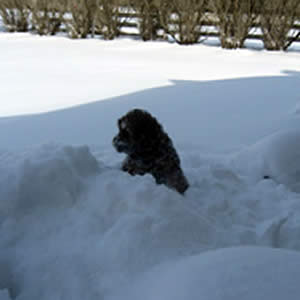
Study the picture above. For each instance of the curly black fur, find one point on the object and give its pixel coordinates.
(149, 150)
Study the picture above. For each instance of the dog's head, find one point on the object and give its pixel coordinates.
(138, 133)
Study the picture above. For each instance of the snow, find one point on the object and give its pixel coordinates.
(4, 295)
(69, 65)
(277, 156)
(241, 273)
(73, 226)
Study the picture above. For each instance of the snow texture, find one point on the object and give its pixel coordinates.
(228, 274)
(73, 226)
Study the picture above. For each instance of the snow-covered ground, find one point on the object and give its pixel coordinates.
(73, 226)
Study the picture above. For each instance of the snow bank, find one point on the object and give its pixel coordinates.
(38, 187)
(74, 227)
(4, 295)
(226, 274)
(62, 72)
(45, 176)
(276, 156)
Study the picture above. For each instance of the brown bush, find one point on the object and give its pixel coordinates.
(183, 20)
(81, 21)
(47, 16)
(277, 19)
(148, 22)
(108, 18)
(15, 15)
(235, 18)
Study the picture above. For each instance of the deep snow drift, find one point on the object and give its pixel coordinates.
(72, 226)
(239, 273)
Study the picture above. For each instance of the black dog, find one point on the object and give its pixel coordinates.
(149, 150)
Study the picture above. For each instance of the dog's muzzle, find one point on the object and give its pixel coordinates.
(119, 145)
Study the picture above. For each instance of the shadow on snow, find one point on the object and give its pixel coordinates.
(221, 114)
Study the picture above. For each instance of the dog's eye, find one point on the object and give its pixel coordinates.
(125, 133)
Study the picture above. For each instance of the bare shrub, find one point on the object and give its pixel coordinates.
(183, 20)
(109, 20)
(15, 15)
(148, 22)
(235, 18)
(47, 16)
(82, 18)
(277, 19)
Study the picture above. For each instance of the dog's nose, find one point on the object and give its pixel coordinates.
(119, 145)
(115, 141)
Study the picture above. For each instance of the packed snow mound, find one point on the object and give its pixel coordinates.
(66, 215)
(226, 274)
(276, 157)
(48, 176)
(4, 295)
(73, 226)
